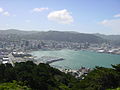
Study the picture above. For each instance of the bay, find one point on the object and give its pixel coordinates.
(75, 59)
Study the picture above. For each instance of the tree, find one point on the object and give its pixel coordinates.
(13, 86)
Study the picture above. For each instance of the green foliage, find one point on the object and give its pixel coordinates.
(114, 89)
(13, 86)
(116, 67)
(64, 87)
(44, 77)
(37, 77)
(101, 79)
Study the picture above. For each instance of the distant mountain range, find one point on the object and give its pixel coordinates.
(114, 39)
(60, 36)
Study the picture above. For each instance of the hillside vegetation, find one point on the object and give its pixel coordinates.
(66, 36)
(28, 75)
(50, 35)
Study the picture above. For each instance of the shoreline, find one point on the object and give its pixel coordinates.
(38, 61)
(72, 49)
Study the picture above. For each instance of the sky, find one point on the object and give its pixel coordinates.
(84, 16)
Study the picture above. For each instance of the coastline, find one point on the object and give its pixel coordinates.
(76, 59)
(30, 51)
(37, 59)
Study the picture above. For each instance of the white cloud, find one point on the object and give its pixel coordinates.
(6, 13)
(61, 16)
(117, 15)
(1, 10)
(39, 9)
(104, 22)
(113, 24)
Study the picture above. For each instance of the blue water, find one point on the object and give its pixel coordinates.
(76, 59)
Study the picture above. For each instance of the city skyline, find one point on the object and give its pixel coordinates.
(65, 15)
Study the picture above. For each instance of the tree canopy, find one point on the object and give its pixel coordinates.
(45, 77)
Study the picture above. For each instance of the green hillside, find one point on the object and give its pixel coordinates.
(51, 35)
(28, 75)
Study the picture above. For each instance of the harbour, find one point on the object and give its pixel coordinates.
(76, 59)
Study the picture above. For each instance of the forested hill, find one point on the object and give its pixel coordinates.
(53, 35)
(113, 39)
(29, 76)
(36, 77)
